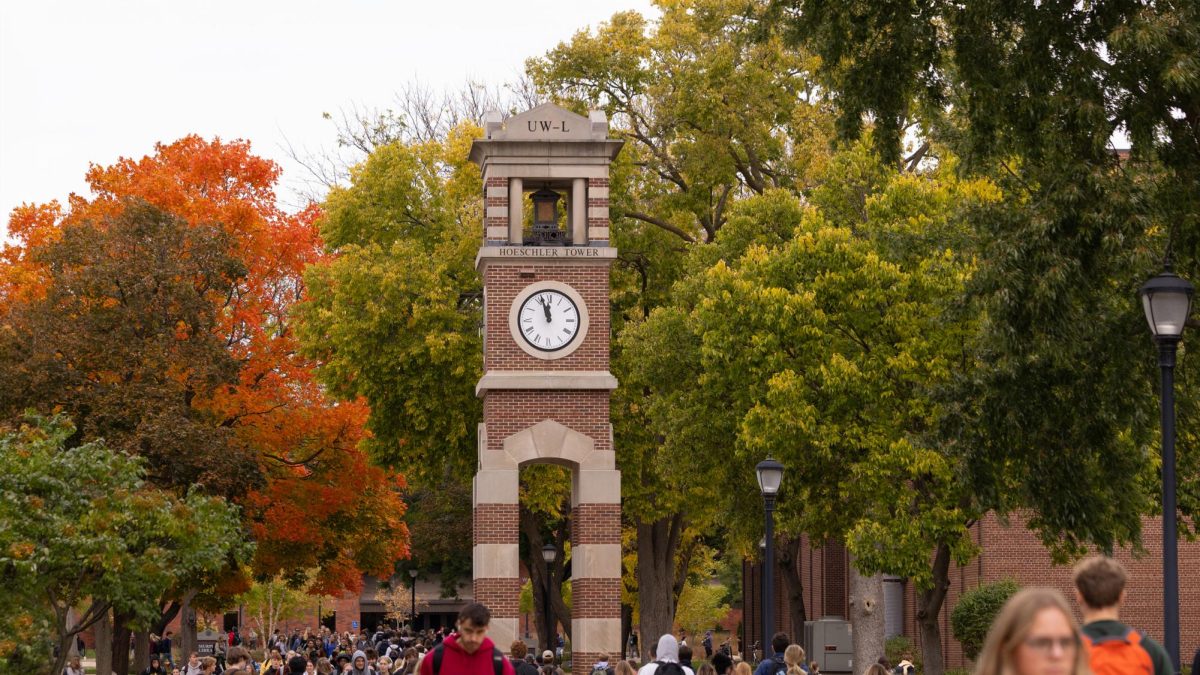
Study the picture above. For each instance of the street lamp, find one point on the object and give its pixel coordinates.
(770, 475)
(412, 612)
(549, 554)
(1167, 301)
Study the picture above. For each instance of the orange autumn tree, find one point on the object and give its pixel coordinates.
(320, 504)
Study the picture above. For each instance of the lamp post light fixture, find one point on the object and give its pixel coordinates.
(412, 611)
(549, 555)
(770, 475)
(1167, 301)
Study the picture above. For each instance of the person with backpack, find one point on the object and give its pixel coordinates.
(602, 667)
(1113, 647)
(666, 659)
(468, 650)
(775, 664)
(517, 651)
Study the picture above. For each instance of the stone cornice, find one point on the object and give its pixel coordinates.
(546, 379)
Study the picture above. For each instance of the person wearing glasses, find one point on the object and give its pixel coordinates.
(1035, 634)
(1113, 646)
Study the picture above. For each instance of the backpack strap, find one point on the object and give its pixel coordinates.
(497, 661)
(437, 658)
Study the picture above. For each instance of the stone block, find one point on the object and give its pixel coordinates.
(597, 487)
(596, 635)
(496, 486)
(602, 561)
(496, 561)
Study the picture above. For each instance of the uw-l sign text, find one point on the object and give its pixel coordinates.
(547, 125)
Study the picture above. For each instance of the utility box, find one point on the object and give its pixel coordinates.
(828, 642)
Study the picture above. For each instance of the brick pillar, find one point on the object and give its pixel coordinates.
(495, 204)
(597, 211)
(495, 554)
(595, 567)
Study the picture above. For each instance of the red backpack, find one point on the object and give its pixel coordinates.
(1119, 655)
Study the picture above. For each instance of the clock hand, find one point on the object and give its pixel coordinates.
(545, 308)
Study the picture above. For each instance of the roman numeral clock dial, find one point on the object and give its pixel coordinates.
(549, 320)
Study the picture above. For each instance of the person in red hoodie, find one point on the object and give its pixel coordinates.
(468, 650)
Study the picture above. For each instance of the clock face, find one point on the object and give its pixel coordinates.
(548, 320)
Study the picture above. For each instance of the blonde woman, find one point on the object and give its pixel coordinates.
(742, 668)
(793, 656)
(1035, 634)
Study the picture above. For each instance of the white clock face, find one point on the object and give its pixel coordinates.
(548, 320)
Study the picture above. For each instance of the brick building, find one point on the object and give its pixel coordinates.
(1011, 552)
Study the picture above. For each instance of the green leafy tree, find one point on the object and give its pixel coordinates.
(80, 528)
(711, 114)
(701, 606)
(824, 333)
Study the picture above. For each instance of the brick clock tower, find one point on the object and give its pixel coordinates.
(546, 383)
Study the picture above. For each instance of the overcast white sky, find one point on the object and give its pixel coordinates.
(93, 80)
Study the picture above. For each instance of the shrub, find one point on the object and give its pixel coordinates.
(899, 648)
(976, 609)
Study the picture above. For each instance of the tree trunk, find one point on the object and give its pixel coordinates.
(929, 609)
(120, 643)
(187, 627)
(141, 651)
(104, 643)
(73, 647)
(866, 618)
(657, 542)
(793, 584)
(540, 574)
(61, 651)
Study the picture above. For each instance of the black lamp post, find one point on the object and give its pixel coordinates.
(770, 475)
(549, 554)
(412, 612)
(1167, 300)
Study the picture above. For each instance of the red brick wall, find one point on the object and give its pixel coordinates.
(508, 411)
(504, 282)
(495, 524)
(1016, 553)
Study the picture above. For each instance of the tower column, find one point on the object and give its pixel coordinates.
(516, 215)
(579, 211)
(495, 554)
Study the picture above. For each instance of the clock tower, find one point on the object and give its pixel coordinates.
(545, 263)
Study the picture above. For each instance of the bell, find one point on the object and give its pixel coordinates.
(545, 209)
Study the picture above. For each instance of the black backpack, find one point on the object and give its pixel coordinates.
(669, 668)
(439, 652)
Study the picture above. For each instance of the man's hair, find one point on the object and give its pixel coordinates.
(297, 665)
(519, 649)
(780, 642)
(476, 613)
(685, 653)
(237, 655)
(1100, 580)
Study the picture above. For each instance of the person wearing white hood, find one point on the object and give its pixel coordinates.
(666, 661)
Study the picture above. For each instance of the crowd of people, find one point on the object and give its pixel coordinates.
(1035, 633)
